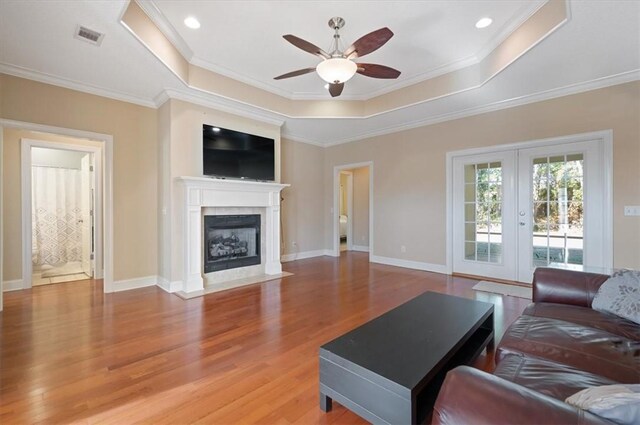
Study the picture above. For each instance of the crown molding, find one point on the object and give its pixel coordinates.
(156, 15)
(613, 80)
(300, 139)
(220, 104)
(68, 83)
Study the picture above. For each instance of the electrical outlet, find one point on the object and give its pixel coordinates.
(403, 248)
(632, 210)
(294, 243)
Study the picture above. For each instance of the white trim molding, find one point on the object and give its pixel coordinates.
(136, 283)
(302, 255)
(360, 248)
(169, 287)
(12, 285)
(409, 264)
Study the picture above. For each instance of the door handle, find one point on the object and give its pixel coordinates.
(522, 223)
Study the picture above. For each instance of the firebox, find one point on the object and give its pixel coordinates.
(231, 241)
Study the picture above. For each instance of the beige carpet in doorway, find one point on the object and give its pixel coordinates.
(504, 289)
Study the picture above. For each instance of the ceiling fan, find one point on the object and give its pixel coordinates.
(338, 66)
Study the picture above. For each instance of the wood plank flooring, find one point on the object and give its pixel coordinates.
(69, 353)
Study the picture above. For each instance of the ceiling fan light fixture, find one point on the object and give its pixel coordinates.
(336, 70)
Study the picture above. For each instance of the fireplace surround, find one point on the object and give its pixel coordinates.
(199, 195)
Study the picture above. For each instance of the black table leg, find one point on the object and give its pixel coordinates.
(325, 403)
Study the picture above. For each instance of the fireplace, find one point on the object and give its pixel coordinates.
(231, 241)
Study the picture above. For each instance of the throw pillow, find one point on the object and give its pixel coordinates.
(620, 295)
(617, 403)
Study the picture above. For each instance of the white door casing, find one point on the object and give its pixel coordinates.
(86, 195)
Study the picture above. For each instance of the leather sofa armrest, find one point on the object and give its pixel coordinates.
(471, 396)
(566, 286)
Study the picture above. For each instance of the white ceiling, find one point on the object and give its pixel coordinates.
(429, 37)
(599, 46)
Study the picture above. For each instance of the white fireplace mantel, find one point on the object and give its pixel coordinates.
(203, 192)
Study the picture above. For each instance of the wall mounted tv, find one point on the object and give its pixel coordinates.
(232, 154)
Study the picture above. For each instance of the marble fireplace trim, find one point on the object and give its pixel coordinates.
(201, 193)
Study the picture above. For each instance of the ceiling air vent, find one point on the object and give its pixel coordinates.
(88, 35)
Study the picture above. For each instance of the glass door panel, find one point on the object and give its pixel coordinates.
(483, 209)
(560, 207)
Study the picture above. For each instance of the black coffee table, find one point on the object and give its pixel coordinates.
(390, 369)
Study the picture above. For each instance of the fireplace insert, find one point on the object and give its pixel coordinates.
(231, 241)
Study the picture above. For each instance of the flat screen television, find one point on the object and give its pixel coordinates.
(232, 154)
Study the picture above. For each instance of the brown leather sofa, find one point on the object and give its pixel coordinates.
(559, 346)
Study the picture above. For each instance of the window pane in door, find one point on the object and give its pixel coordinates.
(557, 210)
(483, 212)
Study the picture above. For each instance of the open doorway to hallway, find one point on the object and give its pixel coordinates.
(352, 212)
(62, 214)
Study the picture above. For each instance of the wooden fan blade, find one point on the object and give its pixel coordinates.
(306, 46)
(377, 71)
(336, 89)
(294, 73)
(369, 43)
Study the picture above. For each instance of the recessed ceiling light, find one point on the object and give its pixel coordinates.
(192, 22)
(484, 22)
(215, 130)
(326, 86)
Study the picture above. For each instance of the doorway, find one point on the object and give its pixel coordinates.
(353, 208)
(345, 225)
(524, 207)
(62, 211)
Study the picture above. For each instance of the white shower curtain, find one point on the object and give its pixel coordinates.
(55, 216)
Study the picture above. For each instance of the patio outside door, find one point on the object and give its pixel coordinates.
(518, 209)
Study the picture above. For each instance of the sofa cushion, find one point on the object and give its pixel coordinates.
(550, 378)
(620, 295)
(587, 317)
(618, 403)
(584, 348)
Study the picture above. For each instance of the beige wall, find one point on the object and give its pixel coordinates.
(409, 167)
(361, 206)
(303, 205)
(135, 169)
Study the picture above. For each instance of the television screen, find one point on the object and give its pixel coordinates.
(228, 153)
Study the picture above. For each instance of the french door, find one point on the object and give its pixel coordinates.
(519, 209)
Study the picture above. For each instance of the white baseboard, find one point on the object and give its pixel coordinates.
(140, 282)
(360, 248)
(12, 285)
(169, 287)
(408, 264)
(302, 255)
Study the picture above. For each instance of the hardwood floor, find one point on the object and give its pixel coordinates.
(250, 355)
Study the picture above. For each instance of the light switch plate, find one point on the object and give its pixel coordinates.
(632, 210)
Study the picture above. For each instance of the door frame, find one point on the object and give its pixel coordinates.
(107, 187)
(335, 213)
(26, 187)
(349, 189)
(604, 137)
